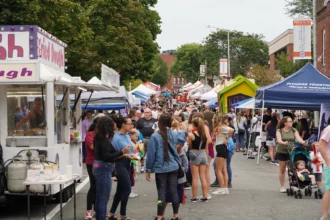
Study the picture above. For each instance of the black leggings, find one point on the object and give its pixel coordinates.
(91, 195)
(123, 171)
(167, 182)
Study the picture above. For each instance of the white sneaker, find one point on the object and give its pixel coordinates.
(208, 197)
(283, 190)
(219, 191)
(143, 169)
(226, 190)
(133, 195)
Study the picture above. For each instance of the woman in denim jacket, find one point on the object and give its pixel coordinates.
(164, 162)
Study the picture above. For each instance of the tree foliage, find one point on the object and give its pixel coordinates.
(286, 67)
(161, 77)
(188, 59)
(263, 76)
(120, 34)
(245, 51)
(299, 7)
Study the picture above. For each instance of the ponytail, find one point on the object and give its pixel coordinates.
(199, 124)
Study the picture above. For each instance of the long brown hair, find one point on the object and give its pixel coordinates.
(199, 124)
(165, 122)
(284, 119)
(219, 121)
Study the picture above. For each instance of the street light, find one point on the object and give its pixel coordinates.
(228, 55)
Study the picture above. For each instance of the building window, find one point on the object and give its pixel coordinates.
(179, 80)
(174, 80)
(323, 48)
(183, 81)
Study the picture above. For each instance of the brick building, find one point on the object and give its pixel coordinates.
(323, 36)
(175, 82)
(282, 43)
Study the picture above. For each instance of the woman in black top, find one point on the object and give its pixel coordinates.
(105, 155)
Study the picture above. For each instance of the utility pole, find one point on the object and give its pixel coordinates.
(228, 55)
(205, 83)
(314, 34)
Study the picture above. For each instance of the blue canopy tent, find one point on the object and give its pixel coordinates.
(213, 103)
(140, 95)
(305, 89)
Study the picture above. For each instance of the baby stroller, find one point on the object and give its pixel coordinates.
(296, 185)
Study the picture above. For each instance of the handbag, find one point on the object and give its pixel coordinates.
(240, 130)
(180, 171)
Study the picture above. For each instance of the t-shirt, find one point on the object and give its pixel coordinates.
(220, 137)
(154, 114)
(256, 124)
(265, 120)
(314, 165)
(85, 123)
(326, 137)
(286, 136)
(208, 116)
(145, 126)
(155, 127)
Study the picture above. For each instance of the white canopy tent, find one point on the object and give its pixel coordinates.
(186, 86)
(196, 95)
(142, 88)
(213, 93)
(247, 105)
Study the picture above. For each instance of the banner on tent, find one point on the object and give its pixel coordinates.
(324, 116)
(302, 48)
(223, 67)
(202, 70)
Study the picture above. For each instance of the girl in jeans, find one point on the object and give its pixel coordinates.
(105, 155)
(163, 160)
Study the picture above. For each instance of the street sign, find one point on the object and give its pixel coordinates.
(202, 70)
(302, 47)
(223, 67)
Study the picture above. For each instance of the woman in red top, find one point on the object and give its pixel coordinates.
(89, 164)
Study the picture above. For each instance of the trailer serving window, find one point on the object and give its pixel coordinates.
(26, 110)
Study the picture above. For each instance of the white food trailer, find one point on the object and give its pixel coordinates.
(32, 73)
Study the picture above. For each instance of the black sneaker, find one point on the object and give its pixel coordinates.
(268, 159)
(230, 185)
(193, 200)
(204, 200)
(187, 186)
(215, 184)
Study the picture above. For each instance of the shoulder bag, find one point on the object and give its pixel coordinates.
(180, 171)
(193, 154)
(241, 131)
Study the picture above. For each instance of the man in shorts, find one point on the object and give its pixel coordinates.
(325, 153)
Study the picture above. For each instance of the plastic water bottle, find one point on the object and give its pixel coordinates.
(42, 174)
(13, 140)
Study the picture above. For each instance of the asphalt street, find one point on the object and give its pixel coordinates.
(255, 195)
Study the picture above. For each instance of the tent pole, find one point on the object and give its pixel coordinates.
(261, 133)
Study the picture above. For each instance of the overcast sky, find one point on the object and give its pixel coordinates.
(185, 21)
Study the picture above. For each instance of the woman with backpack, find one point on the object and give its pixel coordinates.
(286, 135)
(271, 138)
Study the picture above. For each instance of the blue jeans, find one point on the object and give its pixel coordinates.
(230, 155)
(102, 173)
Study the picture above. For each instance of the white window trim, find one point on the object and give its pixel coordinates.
(323, 46)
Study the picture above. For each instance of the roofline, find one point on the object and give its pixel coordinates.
(279, 37)
(240, 79)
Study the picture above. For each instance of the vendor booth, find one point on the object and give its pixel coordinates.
(241, 89)
(43, 131)
(305, 89)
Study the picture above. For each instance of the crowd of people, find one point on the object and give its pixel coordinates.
(178, 145)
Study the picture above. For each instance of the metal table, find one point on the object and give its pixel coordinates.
(52, 182)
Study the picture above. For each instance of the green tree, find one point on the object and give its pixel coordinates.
(245, 51)
(188, 60)
(299, 7)
(263, 76)
(286, 67)
(161, 76)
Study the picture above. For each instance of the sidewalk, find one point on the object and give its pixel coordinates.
(255, 196)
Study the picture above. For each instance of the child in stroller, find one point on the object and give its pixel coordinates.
(303, 173)
(299, 154)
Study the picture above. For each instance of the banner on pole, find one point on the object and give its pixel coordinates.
(302, 48)
(325, 114)
(223, 67)
(202, 70)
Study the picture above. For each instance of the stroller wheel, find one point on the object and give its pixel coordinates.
(295, 195)
(320, 195)
(309, 191)
(316, 195)
(299, 194)
(306, 192)
(288, 192)
(291, 191)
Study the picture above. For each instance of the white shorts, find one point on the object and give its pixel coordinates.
(271, 143)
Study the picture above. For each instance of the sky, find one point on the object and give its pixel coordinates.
(186, 21)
